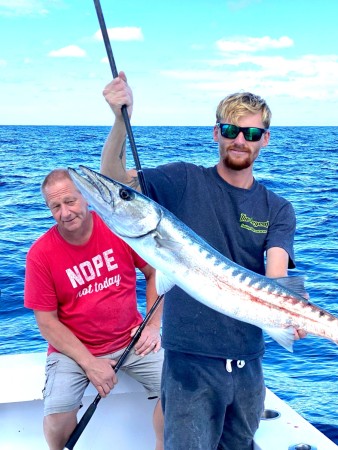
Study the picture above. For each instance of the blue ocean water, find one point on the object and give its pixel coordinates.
(300, 163)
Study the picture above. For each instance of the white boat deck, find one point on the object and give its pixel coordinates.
(122, 421)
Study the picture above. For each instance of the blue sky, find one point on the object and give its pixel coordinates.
(181, 57)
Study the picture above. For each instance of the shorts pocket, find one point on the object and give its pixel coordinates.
(50, 377)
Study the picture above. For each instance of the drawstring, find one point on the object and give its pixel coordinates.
(228, 367)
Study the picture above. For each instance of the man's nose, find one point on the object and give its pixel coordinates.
(64, 210)
(240, 139)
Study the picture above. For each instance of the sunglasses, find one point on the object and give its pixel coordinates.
(251, 134)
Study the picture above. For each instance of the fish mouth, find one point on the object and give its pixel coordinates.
(105, 195)
(93, 181)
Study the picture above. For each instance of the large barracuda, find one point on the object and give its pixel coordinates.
(181, 257)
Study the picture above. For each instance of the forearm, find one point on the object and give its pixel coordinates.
(150, 340)
(151, 297)
(61, 338)
(113, 158)
(157, 316)
(276, 263)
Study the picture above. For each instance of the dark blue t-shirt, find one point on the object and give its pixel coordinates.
(242, 224)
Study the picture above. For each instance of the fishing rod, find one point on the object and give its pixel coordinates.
(124, 107)
(78, 430)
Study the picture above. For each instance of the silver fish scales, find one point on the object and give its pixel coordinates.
(181, 257)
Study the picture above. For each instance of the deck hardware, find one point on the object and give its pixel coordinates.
(269, 414)
(302, 447)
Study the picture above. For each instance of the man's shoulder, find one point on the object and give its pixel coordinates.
(270, 194)
(101, 227)
(107, 235)
(178, 166)
(44, 239)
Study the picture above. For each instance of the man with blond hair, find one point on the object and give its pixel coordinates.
(212, 383)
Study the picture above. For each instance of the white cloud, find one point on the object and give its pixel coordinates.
(310, 76)
(252, 44)
(122, 34)
(238, 67)
(191, 75)
(25, 7)
(277, 65)
(71, 51)
(3, 63)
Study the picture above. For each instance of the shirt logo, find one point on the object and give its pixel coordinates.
(253, 225)
(91, 270)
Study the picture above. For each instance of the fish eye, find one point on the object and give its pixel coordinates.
(126, 194)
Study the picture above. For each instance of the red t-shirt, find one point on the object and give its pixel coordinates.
(92, 286)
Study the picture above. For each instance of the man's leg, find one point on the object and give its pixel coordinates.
(158, 423)
(195, 393)
(63, 392)
(244, 413)
(58, 427)
(147, 370)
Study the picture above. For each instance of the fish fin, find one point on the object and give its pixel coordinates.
(295, 284)
(284, 336)
(167, 243)
(163, 283)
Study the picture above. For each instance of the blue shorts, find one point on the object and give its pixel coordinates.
(206, 406)
(66, 381)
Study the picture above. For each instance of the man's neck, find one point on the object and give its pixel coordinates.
(238, 178)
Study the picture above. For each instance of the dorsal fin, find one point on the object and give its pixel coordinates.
(294, 283)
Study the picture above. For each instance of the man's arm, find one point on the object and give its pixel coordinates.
(277, 261)
(150, 339)
(113, 159)
(99, 371)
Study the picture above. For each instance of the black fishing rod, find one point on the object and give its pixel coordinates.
(78, 430)
(124, 107)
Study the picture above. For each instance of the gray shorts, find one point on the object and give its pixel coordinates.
(66, 381)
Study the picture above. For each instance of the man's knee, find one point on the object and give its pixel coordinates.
(60, 421)
(58, 427)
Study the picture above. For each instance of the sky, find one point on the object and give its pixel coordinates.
(181, 58)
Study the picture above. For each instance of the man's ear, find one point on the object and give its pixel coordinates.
(266, 138)
(215, 133)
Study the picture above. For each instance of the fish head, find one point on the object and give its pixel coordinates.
(127, 213)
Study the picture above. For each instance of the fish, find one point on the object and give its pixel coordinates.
(279, 306)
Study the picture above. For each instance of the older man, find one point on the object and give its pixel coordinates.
(81, 284)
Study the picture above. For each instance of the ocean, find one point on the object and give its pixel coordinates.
(300, 163)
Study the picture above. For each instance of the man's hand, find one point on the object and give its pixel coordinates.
(149, 341)
(300, 334)
(118, 93)
(102, 374)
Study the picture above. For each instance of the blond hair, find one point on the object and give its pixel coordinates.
(241, 104)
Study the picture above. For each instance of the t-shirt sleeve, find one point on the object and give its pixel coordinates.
(138, 261)
(282, 231)
(166, 184)
(39, 292)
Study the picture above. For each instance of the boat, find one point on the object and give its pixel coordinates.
(123, 420)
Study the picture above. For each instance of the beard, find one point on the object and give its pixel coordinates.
(237, 164)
